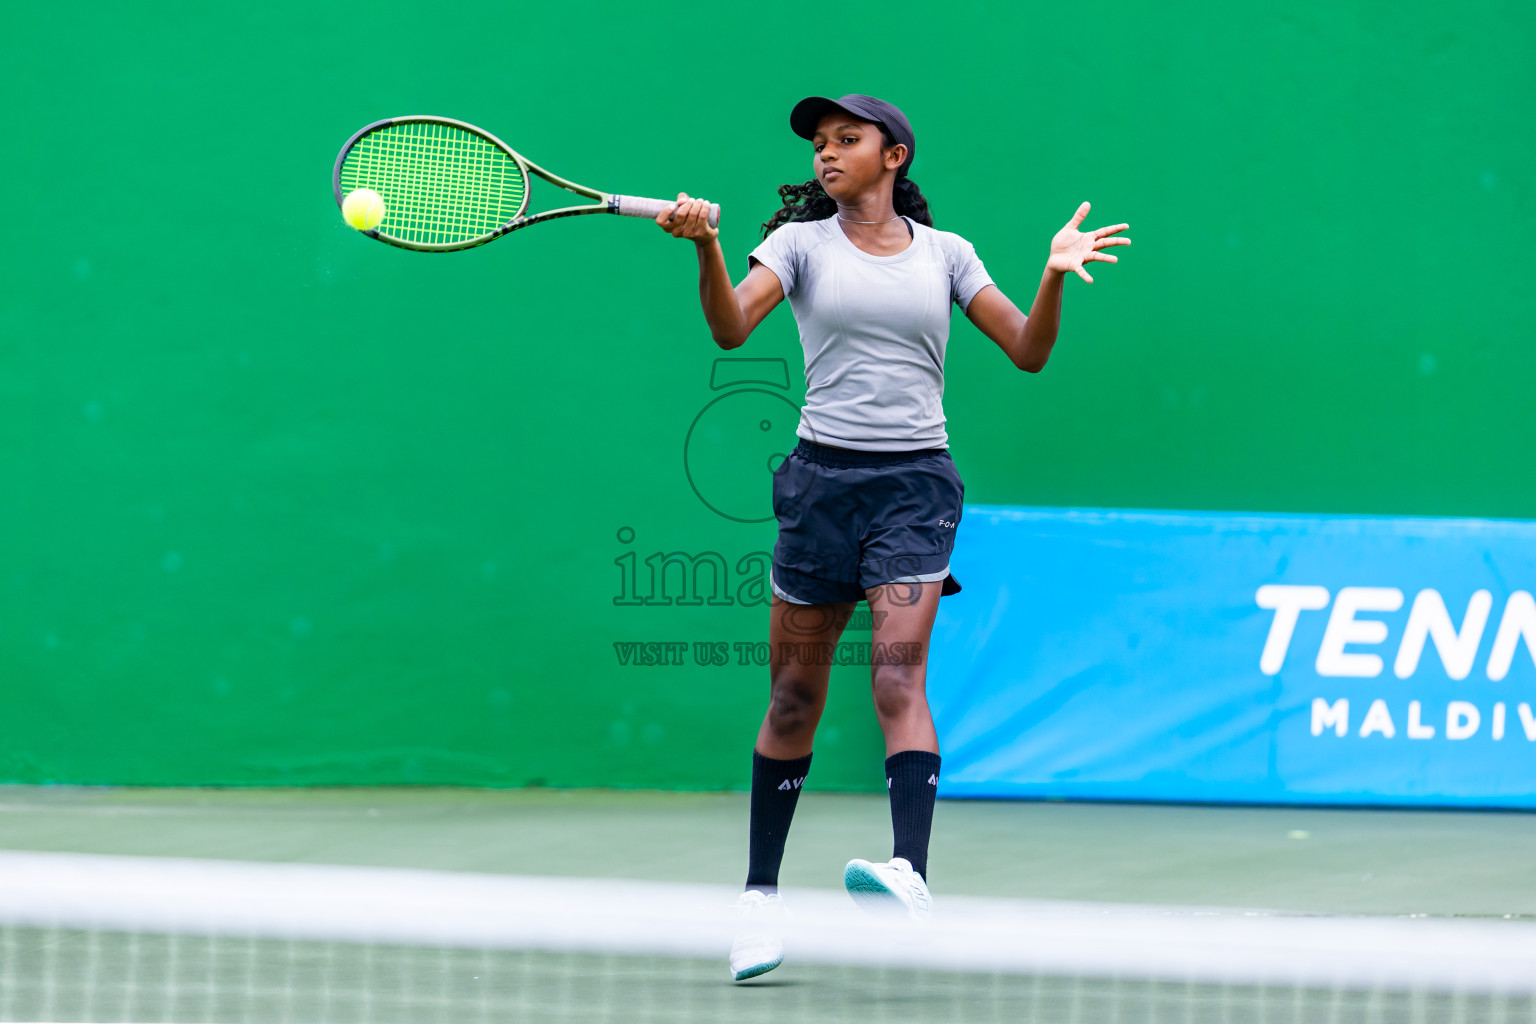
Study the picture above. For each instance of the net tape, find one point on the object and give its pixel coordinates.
(608, 916)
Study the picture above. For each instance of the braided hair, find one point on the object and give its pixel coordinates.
(811, 202)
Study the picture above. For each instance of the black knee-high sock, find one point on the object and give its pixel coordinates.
(775, 791)
(912, 776)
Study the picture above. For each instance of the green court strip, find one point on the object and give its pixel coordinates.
(1349, 861)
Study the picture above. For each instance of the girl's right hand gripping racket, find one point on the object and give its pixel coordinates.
(448, 185)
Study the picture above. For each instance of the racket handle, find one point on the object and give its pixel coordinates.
(637, 206)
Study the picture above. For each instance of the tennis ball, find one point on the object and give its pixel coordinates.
(363, 208)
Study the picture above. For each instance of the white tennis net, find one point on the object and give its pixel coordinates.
(91, 937)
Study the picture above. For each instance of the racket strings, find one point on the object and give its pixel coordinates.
(441, 184)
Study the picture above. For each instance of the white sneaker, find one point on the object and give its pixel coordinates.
(887, 888)
(759, 945)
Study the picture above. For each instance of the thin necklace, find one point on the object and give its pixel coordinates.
(845, 220)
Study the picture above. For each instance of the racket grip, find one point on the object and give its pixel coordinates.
(638, 206)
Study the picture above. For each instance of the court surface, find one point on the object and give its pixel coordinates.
(1295, 859)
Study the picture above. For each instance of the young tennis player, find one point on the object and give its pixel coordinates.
(869, 501)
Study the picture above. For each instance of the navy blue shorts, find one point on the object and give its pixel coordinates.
(850, 520)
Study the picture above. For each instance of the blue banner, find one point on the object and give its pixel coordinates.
(1116, 655)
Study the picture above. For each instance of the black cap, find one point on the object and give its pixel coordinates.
(809, 112)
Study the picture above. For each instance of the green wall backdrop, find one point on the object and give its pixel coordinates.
(282, 505)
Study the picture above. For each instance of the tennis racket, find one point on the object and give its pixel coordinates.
(448, 185)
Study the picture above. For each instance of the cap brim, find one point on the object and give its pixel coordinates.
(808, 114)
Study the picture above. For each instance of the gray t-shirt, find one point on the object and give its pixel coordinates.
(874, 329)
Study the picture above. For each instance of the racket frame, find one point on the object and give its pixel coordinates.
(606, 202)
